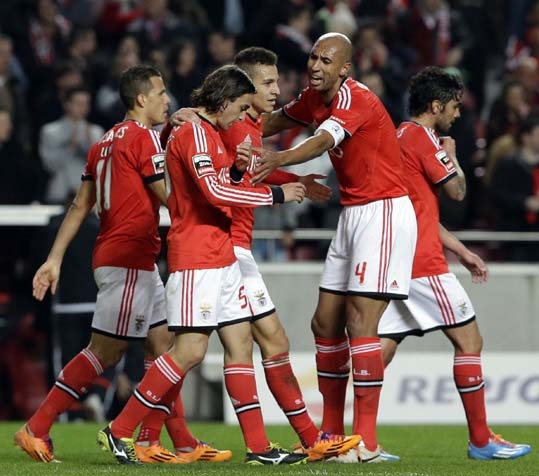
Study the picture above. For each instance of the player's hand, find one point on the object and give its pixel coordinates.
(476, 266)
(449, 145)
(244, 152)
(183, 115)
(293, 192)
(46, 277)
(268, 161)
(315, 191)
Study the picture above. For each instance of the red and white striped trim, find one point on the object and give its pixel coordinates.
(386, 241)
(187, 314)
(126, 306)
(442, 299)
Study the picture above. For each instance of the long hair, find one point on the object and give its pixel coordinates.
(433, 84)
(225, 84)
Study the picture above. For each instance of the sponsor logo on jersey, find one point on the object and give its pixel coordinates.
(445, 160)
(203, 165)
(158, 161)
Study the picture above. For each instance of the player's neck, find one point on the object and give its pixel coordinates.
(425, 120)
(210, 117)
(133, 115)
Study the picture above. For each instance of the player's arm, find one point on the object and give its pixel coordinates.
(471, 261)
(306, 150)
(48, 273)
(315, 191)
(455, 188)
(159, 190)
(276, 121)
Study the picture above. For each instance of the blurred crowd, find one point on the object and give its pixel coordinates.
(60, 61)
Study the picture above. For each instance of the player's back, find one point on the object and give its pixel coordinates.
(121, 164)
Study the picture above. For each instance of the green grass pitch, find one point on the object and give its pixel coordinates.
(425, 451)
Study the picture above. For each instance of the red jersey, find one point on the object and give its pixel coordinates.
(199, 204)
(426, 167)
(367, 162)
(122, 163)
(249, 130)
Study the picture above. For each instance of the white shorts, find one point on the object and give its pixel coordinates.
(372, 252)
(129, 302)
(255, 287)
(206, 298)
(434, 302)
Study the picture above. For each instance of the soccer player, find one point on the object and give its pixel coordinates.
(124, 179)
(261, 66)
(204, 290)
(369, 261)
(436, 299)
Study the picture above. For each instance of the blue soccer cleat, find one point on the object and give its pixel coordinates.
(498, 448)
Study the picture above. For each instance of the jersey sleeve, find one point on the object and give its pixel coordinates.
(437, 165)
(151, 157)
(89, 168)
(351, 111)
(298, 109)
(197, 152)
(280, 177)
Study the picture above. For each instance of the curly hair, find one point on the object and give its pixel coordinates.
(433, 84)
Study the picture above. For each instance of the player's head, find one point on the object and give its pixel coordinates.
(329, 62)
(142, 89)
(261, 66)
(226, 93)
(434, 91)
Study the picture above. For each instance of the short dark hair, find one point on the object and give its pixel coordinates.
(433, 84)
(134, 81)
(249, 57)
(225, 84)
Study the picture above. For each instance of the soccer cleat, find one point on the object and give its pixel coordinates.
(37, 448)
(352, 456)
(155, 453)
(275, 455)
(123, 449)
(204, 452)
(367, 456)
(328, 445)
(498, 448)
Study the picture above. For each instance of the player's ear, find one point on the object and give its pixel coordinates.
(345, 70)
(140, 99)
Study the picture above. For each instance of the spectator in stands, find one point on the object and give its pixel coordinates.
(64, 144)
(508, 111)
(221, 49)
(185, 72)
(292, 42)
(514, 188)
(19, 174)
(13, 89)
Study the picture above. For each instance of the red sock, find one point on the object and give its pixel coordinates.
(161, 380)
(468, 377)
(150, 429)
(179, 433)
(368, 373)
(284, 386)
(333, 368)
(74, 381)
(241, 387)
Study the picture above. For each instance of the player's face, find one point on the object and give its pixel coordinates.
(326, 67)
(265, 79)
(234, 111)
(157, 102)
(447, 115)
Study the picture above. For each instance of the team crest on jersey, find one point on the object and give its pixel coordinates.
(205, 311)
(139, 321)
(203, 165)
(260, 297)
(463, 307)
(158, 161)
(445, 160)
